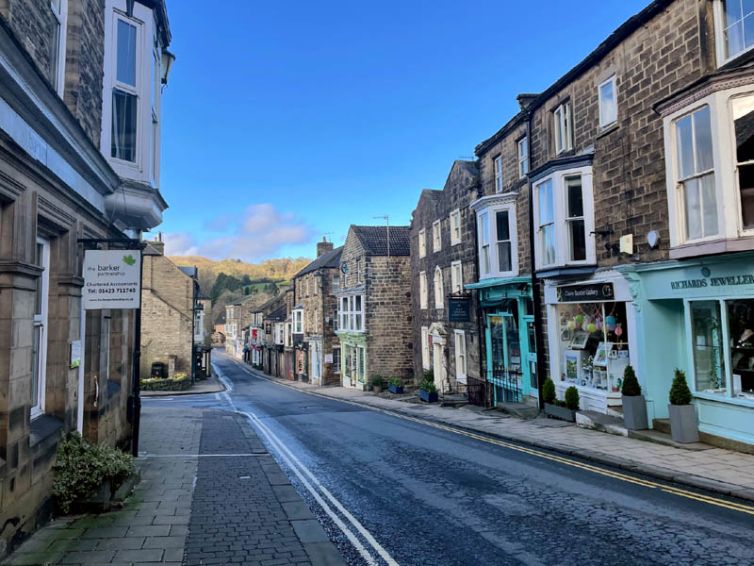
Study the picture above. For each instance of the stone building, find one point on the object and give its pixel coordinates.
(169, 296)
(63, 368)
(374, 305)
(637, 167)
(317, 345)
(443, 261)
(275, 315)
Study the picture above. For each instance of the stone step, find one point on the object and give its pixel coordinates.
(601, 422)
(661, 425)
(521, 410)
(664, 438)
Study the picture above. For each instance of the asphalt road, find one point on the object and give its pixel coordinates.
(389, 490)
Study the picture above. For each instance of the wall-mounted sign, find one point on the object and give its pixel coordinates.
(708, 281)
(112, 279)
(586, 293)
(459, 309)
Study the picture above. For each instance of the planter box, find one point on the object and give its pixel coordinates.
(635, 412)
(377, 388)
(427, 396)
(562, 413)
(395, 389)
(684, 424)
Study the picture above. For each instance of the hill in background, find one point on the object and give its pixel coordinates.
(281, 269)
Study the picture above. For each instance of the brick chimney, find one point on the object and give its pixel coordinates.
(324, 246)
(525, 99)
(158, 244)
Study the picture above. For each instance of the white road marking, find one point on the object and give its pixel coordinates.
(313, 485)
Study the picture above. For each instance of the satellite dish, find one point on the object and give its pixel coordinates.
(653, 239)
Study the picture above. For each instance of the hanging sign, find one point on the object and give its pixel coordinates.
(586, 293)
(459, 309)
(112, 279)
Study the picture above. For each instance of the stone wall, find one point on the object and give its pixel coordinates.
(167, 315)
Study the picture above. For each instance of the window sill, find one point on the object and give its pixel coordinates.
(607, 130)
(748, 403)
(711, 247)
(555, 272)
(43, 427)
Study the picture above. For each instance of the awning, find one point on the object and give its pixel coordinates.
(498, 282)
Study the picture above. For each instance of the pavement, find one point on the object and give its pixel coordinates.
(714, 469)
(210, 494)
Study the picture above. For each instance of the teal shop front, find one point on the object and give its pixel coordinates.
(698, 315)
(510, 346)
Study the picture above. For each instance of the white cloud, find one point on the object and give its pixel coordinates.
(259, 233)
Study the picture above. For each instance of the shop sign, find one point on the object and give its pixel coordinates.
(586, 293)
(112, 279)
(459, 309)
(706, 280)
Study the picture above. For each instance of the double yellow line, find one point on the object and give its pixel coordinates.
(718, 502)
(740, 507)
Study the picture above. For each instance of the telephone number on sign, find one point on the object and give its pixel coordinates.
(116, 290)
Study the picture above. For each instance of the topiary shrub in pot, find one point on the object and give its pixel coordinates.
(378, 383)
(572, 398)
(684, 423)
(395, 385)
(548, 391)
(559, 409)
(634, 405)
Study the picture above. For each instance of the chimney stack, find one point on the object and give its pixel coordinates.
(324, 246)
(158, 245)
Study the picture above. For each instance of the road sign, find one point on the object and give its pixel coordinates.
(112, 279)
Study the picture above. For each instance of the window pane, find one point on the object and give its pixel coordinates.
(123, 144)
(608, 108)
(703, 135)
(504, 256)
(503, 227)
(578, 240)
(546, 212)
(746, 186)
(484, 228)
(741, 331)
(693, 209)
(685, 147)
(709, 370)
(709, 201)
(126, 71)
(575, 197)
(548, 244)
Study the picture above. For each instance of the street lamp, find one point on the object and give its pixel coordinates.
(167, 62)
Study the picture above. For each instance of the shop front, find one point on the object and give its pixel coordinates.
(590, 330)
(698, 315)
(510, 345)
(353, 360)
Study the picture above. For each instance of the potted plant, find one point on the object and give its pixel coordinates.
(684, 424)
(395, 385)
(634, 405)
(564, 410)
(428, 391)
(377, 383)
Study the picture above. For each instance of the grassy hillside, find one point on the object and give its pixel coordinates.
(273, 269)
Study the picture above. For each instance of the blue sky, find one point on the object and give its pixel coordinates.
(284, 121)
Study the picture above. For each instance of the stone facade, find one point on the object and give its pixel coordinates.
(167, 314)
(381, 345)
(431, 323)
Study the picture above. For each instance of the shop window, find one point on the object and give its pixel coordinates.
(707, 346)
(594, 345)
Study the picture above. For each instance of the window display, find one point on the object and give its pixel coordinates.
(594, 344)
(741, 333)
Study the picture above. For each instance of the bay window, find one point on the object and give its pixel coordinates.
(564, 219)
(439, 289)
(125, 93)
(497, 235)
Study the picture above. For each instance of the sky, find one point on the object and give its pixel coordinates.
(284, 122)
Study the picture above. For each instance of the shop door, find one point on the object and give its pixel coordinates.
(530, 355)
(504, 358)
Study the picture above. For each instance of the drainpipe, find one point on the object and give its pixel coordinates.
(480, 316)
(535, 289)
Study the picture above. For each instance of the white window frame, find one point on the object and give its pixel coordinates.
(134, 90)
(40, 321)
(422, 243)
(461, 355)
(455, 227)
(730, 221)
(563, 127)
(423, 301)
(498, 170)
(425, 347)
(439, 289)
(60, 13)
(720, 46)
(523, 157)
(486, 239)
(298, 321)
(359, 271)
(352, 319)
(562, 238)
(607, 120)
(436, 236)
(456, 277)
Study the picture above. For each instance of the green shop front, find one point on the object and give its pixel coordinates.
(353, 348)
(698, 315)
(510, 349)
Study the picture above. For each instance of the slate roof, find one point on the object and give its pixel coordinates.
(190, 271)
(374, 239)
(329, 259)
